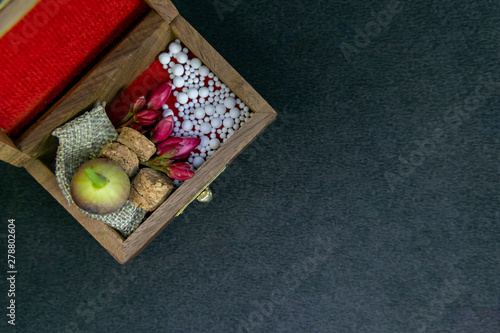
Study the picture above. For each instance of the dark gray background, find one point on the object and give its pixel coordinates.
(370, 205)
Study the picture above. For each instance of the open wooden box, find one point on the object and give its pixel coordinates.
(35, 148)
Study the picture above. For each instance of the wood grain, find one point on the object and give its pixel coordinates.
(114, 73)
(9, 152)
(13, 12)
(164, 8)
(109, 238)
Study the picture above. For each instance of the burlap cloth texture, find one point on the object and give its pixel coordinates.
(80, 141)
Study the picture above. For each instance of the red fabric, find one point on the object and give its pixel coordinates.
(50, 46)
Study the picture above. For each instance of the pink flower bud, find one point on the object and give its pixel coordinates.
(163, 129)
(178, 148)
(138, 105)
(159, 95)
(147, 117)
(180, 171)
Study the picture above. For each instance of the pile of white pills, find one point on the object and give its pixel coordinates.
(203, 106)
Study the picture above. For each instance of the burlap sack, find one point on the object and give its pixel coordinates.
(80, 141)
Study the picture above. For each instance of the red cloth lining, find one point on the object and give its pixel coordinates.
(50, 46)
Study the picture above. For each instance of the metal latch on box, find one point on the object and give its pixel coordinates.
(205, 195)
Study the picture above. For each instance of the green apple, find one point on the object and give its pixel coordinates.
(100, 186)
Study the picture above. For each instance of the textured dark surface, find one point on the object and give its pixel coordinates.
(370, 205)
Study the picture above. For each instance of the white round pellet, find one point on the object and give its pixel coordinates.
(181, 131)
(211, 83)
(228, 122)
(214, 143)
(177, 124)
(164, 106)
(197, 105)
(197, 127)
(181, 114)
(230, 132)
(229, 102)
(212, 136)
(167, 113)
(217, 84)
(234, 113)
(237, 121)
(192, 117)
(178, 70)
(223, 86)
(190, 159)
(196, 80)
(192, 93)
(205, 128)
(169, 71)
(198, 161)
(182, 98)
(191, 133)
(178, 82)
(216, 99)
(216, 79)
(213, 130)
(185, 77)
(182, 57)
(191, 104)
(165, 66)
(175, 48)
(190, 81)
(176, 129)
(203, 92)
(204, 71)
(216, 122)
(211, 89)
(186, 50)
(196, 63)
(171, 64)
(203, 143)
(211, 75)
(206, 119)
(180, 108)
(246, 108)
(203, 155)
(220, 108)
(171, 76)
(199, 113)
(219, 131)
(242, 118)
(210, 100)
(175, 93)
(210, 153)
(236, 126)
(209, 109)
(223, 136)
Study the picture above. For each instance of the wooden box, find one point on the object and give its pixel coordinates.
(35, 149)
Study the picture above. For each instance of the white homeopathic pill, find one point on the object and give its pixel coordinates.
(229, 102)
(192, 93)
(196, 63)
(164, 58)
(214, 143)
(182, 98)
(228, 122)
(209, 110)
(178, 70)
(187, 125)
(204, 141)
(182, 57)
(175, 48)
(221, 109)
(205, 128)
(198, 161)
(178, 82)
(203, 92)
(216, 122)
(204, 71)
(199, 113)
(234, 113)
